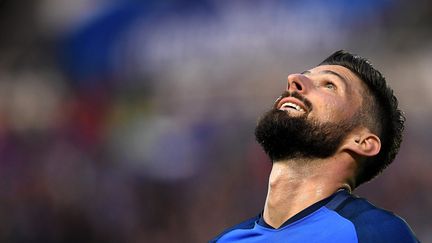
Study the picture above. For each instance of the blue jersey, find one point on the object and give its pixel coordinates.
(340, 218)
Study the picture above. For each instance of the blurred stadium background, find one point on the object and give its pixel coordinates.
(132, 121)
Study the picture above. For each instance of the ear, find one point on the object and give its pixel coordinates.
(363, 142)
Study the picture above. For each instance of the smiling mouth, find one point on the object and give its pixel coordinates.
(290, 106)
(293, 102)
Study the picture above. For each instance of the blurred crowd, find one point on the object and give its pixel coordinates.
(132, 121)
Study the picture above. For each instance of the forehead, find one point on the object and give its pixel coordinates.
(354, 87)
(350, 79)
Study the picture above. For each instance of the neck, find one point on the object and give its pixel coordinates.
(296, 184)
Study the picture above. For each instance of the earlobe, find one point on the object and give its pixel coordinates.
(366, 144)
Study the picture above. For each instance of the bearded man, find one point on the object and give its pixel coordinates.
(335, 127)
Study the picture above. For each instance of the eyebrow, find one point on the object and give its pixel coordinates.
(329, 72)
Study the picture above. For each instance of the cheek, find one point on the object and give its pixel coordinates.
(333, 111)
(328, 108)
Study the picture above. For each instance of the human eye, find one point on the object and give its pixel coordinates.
(330, 85)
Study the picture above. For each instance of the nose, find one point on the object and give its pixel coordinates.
(297, 82)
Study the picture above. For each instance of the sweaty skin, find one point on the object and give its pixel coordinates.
(335, 94)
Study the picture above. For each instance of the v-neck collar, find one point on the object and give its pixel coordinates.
(305, 212)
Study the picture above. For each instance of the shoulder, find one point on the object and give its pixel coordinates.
(247, 224)
(374, 224)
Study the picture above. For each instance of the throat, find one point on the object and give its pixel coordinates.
(290, 191)
(282, 204)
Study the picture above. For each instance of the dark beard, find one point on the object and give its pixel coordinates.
(284, 137)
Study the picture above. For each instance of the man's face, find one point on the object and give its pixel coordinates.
(333, 91)
(312, 118)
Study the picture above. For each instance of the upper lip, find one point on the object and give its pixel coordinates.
(292, 100)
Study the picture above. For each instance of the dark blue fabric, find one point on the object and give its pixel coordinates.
(248, 224)
(374, 224)
(314, 207)
(340, 218)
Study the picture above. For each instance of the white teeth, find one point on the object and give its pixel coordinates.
(291, 105)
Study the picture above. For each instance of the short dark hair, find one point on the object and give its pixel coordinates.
(380, 112)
